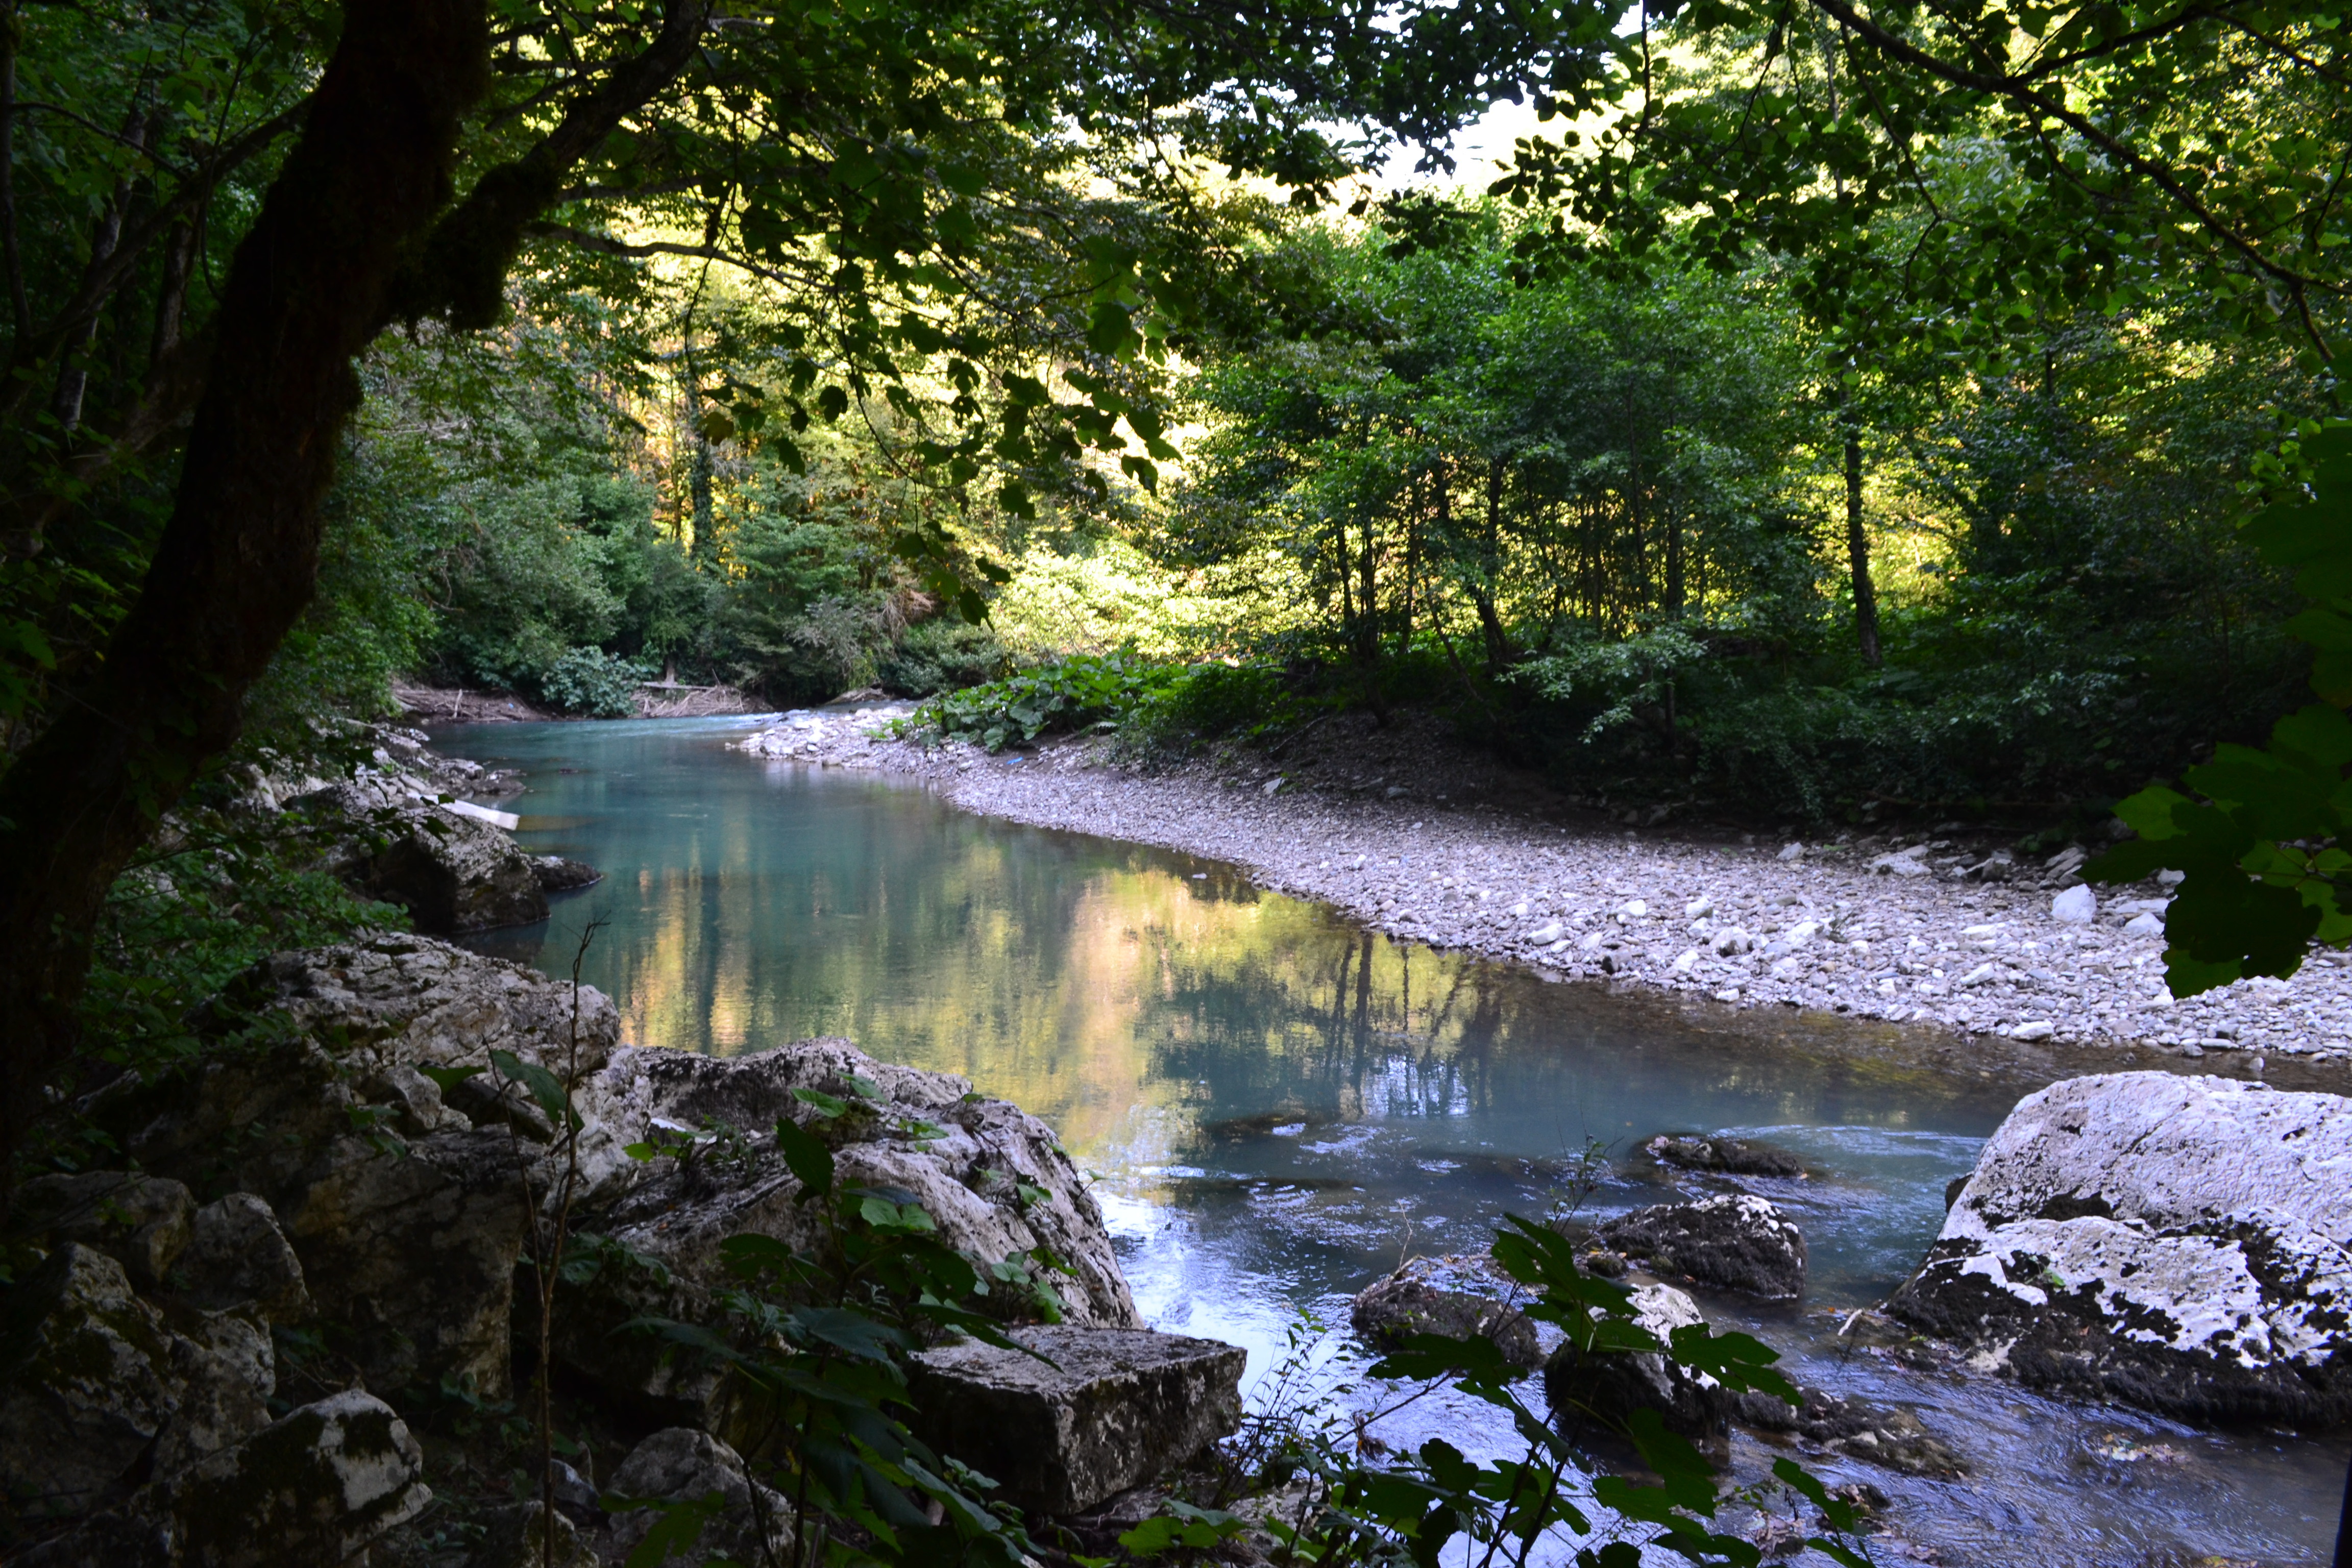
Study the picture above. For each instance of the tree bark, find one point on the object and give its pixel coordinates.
(1857, 543)
(238, 560)
(1500, 654)
(12, 260)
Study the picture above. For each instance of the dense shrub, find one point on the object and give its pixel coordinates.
(1065, 694)
(2016, 714)
(592, 684)
(938, 656)
(1207, 701)
(1156, 707)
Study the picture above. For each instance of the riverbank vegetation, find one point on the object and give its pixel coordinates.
(1817, 416)
(1881, 507)
(1811, 524)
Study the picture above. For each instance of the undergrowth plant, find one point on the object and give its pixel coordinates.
(1068, 693)
(1152, 705)
(815, 1342)
(547, 1219)
(1352, 1509)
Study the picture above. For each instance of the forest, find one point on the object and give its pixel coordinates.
(1803, 421)
(1815, 417)
(1823, 496)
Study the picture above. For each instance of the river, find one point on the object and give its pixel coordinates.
(1280, 1105)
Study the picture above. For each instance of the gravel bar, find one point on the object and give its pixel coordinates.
(1410, 834)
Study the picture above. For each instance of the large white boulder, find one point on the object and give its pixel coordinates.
(2176, 1243)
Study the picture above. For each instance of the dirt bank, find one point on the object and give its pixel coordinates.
(452, 705)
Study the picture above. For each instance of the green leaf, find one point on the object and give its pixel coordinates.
(1199, 1528)
(543, 1086)
(824, 1104)
(2149, 813)
(807, 1157)
(2223, 926)
(675, 1532)
(2322, 630)
(852, 1332)
(1687, 1479)
(891, 1217)
(1427, 1357)
(447, 1079)
(1738, 1361)
(1806, 1485)
(2133, 860)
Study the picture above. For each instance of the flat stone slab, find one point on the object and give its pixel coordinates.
(1114, 1408)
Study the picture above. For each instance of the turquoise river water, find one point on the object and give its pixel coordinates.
(1280, 1105)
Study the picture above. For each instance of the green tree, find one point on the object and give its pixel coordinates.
(2262, 845)
(857, 151)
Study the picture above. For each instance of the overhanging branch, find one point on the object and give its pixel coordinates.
(2018, 91)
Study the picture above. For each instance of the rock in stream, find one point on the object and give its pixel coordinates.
(2175, 1243)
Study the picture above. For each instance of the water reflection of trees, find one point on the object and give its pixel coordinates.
(1104, 987)
(1341, 1023)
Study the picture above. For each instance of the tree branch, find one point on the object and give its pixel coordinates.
(461, 274)
(2121, 41)
(174, 388)
(2016, 91)
(605, 245)
(103, 277)
(116, 137)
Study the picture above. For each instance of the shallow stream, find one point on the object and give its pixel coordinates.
(1281, 1105)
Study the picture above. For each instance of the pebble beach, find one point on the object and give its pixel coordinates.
(1409, 833)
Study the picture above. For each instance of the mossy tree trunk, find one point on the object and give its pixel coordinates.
(356, 232)
(238, 560)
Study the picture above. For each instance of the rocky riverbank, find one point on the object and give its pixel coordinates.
(290, 1324)
(1410, 833)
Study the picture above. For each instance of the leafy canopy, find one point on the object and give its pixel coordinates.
(2263, 852)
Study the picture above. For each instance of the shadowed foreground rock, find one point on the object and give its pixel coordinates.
(143, 1223)
(515, 1537)
(993, 1179)
(309, 1491)
(558, 875)
(748, 1522)
(452, 872)
(236, 1253)
(1455, 1297)
(1607, 1386)
(405, 1216)
(102, 1388)
(2175, 1243)
(1108, 1408)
